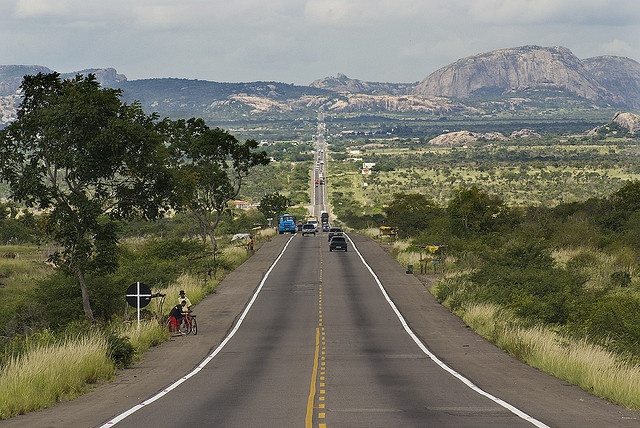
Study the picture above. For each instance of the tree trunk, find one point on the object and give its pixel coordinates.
(86, 305)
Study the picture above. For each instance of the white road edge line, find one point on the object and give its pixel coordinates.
(206, 361)
(442, 365)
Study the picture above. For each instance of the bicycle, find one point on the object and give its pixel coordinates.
(188, 324)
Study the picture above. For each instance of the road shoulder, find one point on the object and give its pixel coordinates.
(166, 363)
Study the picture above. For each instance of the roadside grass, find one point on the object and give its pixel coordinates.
(588, 366)
(47, 370)
(51, 373)
(591, 367)
(598, 265)
(150, 333)
(20, 269)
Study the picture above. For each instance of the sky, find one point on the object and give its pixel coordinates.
(299, 41)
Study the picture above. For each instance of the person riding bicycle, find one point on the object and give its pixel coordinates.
(175, 316)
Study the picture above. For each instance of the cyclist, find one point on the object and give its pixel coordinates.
(175, 316)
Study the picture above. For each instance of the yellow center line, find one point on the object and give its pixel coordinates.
(312, 387)
(317, 376)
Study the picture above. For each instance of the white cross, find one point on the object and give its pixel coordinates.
(138, 295)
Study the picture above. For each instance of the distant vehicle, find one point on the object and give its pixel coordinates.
(333, 232)
(325, 227)
(324, 217)
(286, 223)
(314, 222)
(308, 229)
(338, 242)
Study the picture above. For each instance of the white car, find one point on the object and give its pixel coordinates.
(315, 224)
(308, 229)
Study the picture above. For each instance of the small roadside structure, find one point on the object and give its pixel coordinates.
(388, 232)
(433, 258)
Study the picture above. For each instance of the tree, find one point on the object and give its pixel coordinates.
(476, 211)
(85, 159)
(273, 204)
(209, 166)
(411, 213)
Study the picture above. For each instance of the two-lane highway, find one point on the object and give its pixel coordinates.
(311, 341)
(319, 345)
(377, 376)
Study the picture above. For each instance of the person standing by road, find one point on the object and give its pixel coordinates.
(181, 297)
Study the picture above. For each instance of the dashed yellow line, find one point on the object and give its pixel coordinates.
(318, 373)
(312, 387)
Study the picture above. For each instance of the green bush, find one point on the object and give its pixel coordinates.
(522, 277)
(120, 349)
(171, 249)
(621, 279)
(614, 322)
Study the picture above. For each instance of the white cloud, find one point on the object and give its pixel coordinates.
(302, 40)
(505, 12)
(617, 47)
(374, 12)
(36, 8)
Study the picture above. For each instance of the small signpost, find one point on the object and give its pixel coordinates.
(138, 295)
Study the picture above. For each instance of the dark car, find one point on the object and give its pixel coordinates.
(325, 227)
(338, 242)
(333, 231)
(308, 228)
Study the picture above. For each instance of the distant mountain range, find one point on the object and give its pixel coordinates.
(516, 80)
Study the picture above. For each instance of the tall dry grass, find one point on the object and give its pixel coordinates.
(588, 366)
(150, 333)
(47, 374)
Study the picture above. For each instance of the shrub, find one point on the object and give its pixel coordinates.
(621, 279)
(614, 322)
(119, 349)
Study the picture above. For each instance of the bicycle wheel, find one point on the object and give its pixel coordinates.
(184, 327)
(194, 325)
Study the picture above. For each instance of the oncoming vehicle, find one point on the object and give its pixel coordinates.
(308, 229)
(314, 222)
(286, 223)
(338, 242)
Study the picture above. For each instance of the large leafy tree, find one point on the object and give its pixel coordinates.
(273, 204)
(85, 159)
(473, 210)
(411, 213)
(209, 166)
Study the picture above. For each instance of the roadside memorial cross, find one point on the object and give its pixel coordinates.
(138, 295)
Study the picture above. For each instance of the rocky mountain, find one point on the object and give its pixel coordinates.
(342, 84)
(520, 69)
(628, 121)
(517, 81)
(618, 75)
(622, 123)
(462, 138)
(11, 76)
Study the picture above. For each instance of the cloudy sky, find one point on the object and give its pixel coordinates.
(299, 41)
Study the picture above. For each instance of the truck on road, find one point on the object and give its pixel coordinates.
(286, 223)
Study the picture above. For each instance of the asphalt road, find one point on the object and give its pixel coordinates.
(329, 340)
